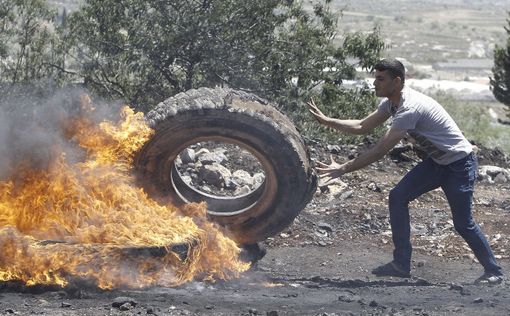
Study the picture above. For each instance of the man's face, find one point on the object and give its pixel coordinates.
(384, 85)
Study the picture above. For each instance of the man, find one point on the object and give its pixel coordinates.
(450, 165)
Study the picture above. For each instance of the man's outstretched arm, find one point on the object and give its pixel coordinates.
(388, 141)
(357, 127)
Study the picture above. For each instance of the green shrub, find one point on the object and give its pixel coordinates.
(474, 120)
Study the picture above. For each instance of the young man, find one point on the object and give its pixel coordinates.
(450, 165)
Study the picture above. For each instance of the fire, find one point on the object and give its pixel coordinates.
(89, 220)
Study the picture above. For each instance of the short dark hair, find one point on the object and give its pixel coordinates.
(394, 67)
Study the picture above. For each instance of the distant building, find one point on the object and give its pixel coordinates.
(465, 65)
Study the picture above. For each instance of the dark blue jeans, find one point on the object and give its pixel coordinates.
(457, 181)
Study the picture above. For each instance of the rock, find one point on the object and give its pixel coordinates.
(201, 152)
(272, 313)
(456, 287)
(334, 189)
(61, 294)
(214, 174)
(419, 229)
(122, 300)
(42, 302)
(186, 179)
(478, 300)
(464, 292)
(348, 297)
(325, 226)
(242, 177)
(323, 243)
(501, 178)
(491, 173)
(346, 195)
(374, 187)
(353, 153)
(258, 178)
(230, 184)
(397, 152)
(126, 307)
(334, 149)
(242, 190)
(321, 233)
(178, 161)
(187, 156)
(212, 157)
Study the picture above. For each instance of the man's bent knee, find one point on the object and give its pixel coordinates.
(464, 228)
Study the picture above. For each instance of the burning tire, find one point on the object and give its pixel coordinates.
(241, 119)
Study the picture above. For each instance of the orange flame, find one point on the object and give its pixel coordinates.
(76, 220)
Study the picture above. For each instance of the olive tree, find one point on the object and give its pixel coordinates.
(144, 51)
(28, 43)
(500, 82)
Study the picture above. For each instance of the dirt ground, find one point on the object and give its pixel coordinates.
(321, 264)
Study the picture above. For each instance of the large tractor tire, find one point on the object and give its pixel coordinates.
(242, 119)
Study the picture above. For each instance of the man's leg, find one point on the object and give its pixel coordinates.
(423, 178)
(458, 185)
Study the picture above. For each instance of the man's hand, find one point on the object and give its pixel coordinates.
(330, 172)
(319, 116)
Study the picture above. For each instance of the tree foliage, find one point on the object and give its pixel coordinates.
(144, 51)
(28, 43)
(500, 83)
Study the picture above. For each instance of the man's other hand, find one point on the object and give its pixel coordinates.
(329, 172)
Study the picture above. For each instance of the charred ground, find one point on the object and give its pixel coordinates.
(321, 264)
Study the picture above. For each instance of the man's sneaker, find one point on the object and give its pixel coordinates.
(489, 278)
(391, 269)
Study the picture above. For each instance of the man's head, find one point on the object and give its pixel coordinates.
(389, 77)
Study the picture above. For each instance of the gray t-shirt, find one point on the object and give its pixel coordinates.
(433, 129)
